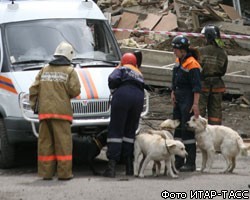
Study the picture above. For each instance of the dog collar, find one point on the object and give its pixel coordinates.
(167, 147)
(98, 143)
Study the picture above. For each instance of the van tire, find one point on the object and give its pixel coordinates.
(7, 151)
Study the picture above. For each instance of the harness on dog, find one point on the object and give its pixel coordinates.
(98, 143)
(167, 147)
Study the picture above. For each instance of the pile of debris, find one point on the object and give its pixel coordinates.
(171, 15)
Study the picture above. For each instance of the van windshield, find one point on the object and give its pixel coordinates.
(36, 41)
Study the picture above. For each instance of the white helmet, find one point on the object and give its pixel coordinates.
(65, 49)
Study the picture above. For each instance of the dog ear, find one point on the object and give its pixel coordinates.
(170, 143)
(167, 124)
(204, 122)
(162, 125)
(177, 122)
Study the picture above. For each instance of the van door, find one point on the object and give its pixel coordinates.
(1, 50)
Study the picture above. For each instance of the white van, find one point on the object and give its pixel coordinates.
(29, 34)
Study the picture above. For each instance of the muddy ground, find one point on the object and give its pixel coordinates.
(236, 114)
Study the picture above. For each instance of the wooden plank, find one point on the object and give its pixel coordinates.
(230, 11)
(128, 21)
(213, 12)
(195, 20)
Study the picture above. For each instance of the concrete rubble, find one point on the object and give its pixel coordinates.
(188, 16)
(177, 15)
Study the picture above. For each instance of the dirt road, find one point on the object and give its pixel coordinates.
(22, 183)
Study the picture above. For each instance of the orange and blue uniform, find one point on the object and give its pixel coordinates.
(185, 82)
(127, 84)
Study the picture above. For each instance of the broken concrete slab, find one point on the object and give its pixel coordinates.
(167, 23)
(128, 21)
(230, 11)
(150, 22)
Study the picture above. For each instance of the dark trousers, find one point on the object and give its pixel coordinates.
(210, 104)
(181, 111)
(126, 107)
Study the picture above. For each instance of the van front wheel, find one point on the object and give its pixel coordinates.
(7, 151)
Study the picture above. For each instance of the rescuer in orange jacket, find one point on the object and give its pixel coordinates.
(53, 88)
(186, 87)
(127, 84)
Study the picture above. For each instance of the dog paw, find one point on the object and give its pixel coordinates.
(202, 170)
(141, 175)
(175, 176)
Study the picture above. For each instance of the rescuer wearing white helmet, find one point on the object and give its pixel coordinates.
(52, 90)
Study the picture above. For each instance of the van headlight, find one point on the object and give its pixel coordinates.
(25, 102)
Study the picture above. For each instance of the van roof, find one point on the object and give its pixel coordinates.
(48, 9)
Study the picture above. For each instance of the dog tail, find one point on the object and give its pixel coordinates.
(242, 146)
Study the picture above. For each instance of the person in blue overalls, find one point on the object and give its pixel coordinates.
(127, 85)
(186, 87)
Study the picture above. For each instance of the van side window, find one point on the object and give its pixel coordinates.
(102, 39)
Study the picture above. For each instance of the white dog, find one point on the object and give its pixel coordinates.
(168, 126)
(156, 147)
(212, 138)
(157, 164)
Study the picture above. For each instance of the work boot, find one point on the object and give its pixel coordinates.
(190, 166)
(179, 162)
(129, 166)
(110, 171)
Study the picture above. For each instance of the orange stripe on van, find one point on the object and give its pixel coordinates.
(5, 79)
(87, 90)
(6, 84)
(10, 89)
(88, 83)
(92, 85)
